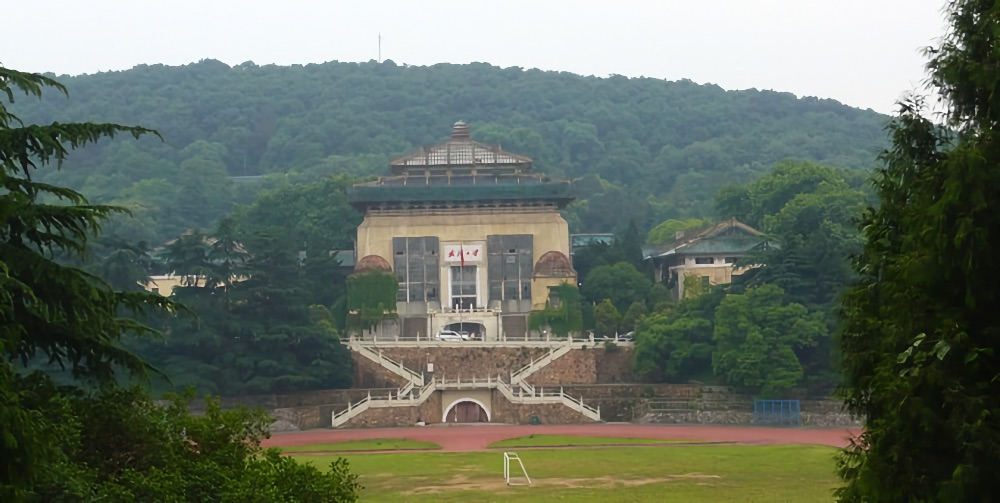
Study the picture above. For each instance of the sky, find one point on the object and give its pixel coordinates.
(864, 53)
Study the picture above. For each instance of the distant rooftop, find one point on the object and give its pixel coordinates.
(463, 172)
(729, 236)
(462, 151)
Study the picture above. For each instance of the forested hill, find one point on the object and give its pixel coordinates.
(660, 149)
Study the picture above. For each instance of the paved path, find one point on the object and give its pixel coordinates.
(460, 438)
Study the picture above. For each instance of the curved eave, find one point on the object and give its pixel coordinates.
(542, 194)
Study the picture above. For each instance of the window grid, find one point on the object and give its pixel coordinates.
(416, 264)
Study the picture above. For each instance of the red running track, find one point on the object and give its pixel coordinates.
(476, 437)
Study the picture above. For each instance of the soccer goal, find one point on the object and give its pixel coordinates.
(517, 476)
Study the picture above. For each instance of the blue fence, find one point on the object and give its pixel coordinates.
(777, 412)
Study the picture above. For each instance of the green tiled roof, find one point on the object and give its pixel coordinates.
(720, 245)
(363, 196)
(725, 238)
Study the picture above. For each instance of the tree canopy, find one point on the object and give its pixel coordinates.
(640, 148)
(741, 334)
(920, 334)
(89, 439)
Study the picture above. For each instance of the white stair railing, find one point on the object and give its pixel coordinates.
(352, 410)
(387, 363)
(547, 396)
(519, 375)
(405, 391)
(405, 398)
(577, 404)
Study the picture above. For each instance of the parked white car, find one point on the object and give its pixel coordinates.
(450, 335)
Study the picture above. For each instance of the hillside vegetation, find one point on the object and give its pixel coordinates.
(639, 148)
(248, 190)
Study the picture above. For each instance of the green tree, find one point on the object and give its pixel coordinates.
(808, 213)
(635, 312)
(595, 255)
(632, 246)
(621, 283)
(258, 329)
(753, 202)
(317, 220)
(634, 144)
(817, 233)
(125, 266)
(921, 340)
(756, 336)
(563, 311)
(62, 442)
(676, 345)
(129, 448)
(371, 298)
(49, 310)
(606, 318)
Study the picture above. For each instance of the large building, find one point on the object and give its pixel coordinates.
(473, 234)
(707, 255)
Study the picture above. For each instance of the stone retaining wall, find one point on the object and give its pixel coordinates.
(389, 417)
(368, 374)
(593, 365)
(472, 361)
(814, 414)
(547, 413)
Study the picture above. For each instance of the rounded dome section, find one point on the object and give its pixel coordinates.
(554, 264)
(372, 263)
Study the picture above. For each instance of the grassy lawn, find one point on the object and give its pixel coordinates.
(373, 444)
(668, 473)
(576, 440)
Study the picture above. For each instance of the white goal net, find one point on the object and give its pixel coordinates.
(513, 470)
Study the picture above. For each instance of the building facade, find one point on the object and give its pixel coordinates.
(708, 255)
(472, 233)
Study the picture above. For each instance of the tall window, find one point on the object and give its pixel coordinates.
(463, 286)
(415, 261)
(510, 266)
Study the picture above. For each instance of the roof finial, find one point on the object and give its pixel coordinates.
(460, 131)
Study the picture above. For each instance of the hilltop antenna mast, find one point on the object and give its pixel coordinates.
(380, 47)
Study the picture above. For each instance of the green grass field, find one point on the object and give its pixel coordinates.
(373, 444)
(570, 440)
(709, 473)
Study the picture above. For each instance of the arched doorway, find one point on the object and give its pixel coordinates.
(466, 410)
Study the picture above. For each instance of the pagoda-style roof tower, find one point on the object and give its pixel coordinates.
(461, 173)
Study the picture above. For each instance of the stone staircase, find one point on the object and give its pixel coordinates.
(518, 376)
(412, 378)
(415, 392)
(403, 398)
(407, 399)
(548, 396)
